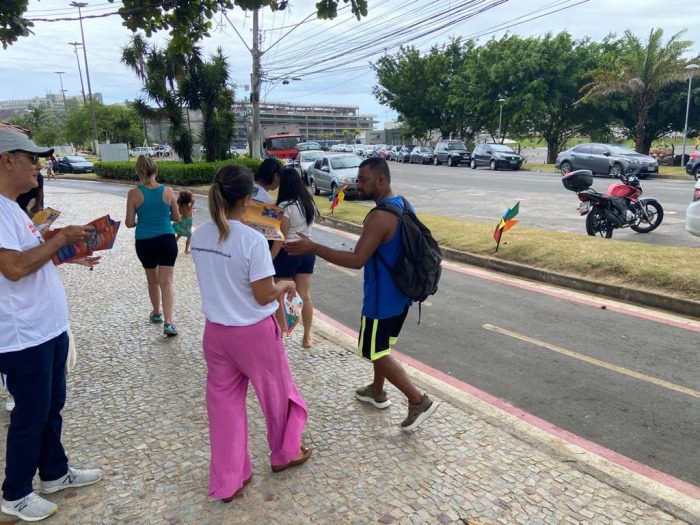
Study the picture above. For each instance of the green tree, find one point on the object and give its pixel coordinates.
(45, 127)
(12, 23)
(640, 71)
(114, 122)
(207, 89)
(161, 72)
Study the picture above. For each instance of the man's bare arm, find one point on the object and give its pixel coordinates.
(378, 228)
(15, 265)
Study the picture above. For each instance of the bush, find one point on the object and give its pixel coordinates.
(173, 172)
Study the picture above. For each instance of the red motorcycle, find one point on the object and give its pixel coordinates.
(620, 207)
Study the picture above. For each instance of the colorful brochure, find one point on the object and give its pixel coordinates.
(291, 307)
(265, 218)
(45, 218)
(101, 238)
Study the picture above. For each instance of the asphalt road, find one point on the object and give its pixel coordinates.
(627, 379)
(484, 195)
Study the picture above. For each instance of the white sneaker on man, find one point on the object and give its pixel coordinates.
(31, 507)
(75, 477)
(10, 405)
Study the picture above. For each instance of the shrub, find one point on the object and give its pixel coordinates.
(172, 172)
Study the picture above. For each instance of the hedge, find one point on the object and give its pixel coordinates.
(172, 172)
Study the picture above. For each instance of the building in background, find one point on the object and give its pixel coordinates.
(51, 103)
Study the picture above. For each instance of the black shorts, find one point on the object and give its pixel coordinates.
(290, 265)
(157, 251)
(377, 336)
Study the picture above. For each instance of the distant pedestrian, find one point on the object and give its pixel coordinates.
(300, 211)
(33, 340)
(151, 207)
(50, 167)
(242, 340)
(384, 307)
(183, 227)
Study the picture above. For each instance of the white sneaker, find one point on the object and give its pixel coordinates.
(73, 478)
(10, 405)
(31, 507)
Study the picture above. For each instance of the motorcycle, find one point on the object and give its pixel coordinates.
(620, 207)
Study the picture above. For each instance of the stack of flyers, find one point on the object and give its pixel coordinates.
(101, 238)
(265, 218)
(291, 306)
(45, 218)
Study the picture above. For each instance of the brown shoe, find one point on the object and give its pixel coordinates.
(305, 454)
(366, 395)
(419, 413)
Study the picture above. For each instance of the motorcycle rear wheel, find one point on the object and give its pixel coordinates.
(655, 213)
(598, 224)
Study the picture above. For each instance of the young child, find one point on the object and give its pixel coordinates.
(183, 228)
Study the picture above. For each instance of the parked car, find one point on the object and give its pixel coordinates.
(692, 214)
(606, 159)
(141, 150)
(404, 154)
(310, 145)
(451, 152)
(331, 171)
(161, 150)
(496, 156)
(421, 155)
(304, 160)
(73, 164)
(693, 167)
(394, 153)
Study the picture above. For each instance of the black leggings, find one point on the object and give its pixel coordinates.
(157, 251)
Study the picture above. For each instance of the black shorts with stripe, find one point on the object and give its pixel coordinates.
(377, 336)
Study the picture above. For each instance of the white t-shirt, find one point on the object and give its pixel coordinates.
(297, 219)
(34, 309)
(261, 194)
(225, 271)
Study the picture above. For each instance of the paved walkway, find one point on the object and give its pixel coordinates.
(136, 409)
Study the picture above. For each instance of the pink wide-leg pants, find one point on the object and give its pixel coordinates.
(234, 356)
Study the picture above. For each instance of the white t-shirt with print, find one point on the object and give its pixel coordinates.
(297, 220)
(260, 194)
(225, 271)
(33, 309)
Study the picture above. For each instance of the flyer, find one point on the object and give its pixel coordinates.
(101, 238)
(265, 218)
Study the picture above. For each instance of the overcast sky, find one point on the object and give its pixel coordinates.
(27, 67)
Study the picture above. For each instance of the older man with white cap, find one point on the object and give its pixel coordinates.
(33, 340)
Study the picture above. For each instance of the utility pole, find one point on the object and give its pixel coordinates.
(80, 5)
(255, 88)
(77, 59)
(63, 91)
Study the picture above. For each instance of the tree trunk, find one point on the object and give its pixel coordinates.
(640, 128)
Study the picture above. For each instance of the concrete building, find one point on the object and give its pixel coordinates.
(51, 103)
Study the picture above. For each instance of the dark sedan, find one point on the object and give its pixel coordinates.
(606, 159)
(74, 164)
(421, 155)
(693, 167)
(496, 156)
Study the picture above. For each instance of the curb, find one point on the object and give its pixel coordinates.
(683, 506)
(622, 293)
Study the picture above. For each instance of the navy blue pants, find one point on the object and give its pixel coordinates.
(36, 378)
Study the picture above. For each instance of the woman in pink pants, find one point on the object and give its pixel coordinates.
(242, 340)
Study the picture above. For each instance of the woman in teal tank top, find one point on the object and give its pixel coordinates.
(151, 207)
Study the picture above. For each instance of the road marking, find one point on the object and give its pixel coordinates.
(593, 361)
(342, 270)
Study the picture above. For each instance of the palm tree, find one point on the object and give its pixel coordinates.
(641, 71)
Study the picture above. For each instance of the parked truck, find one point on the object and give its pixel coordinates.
(280, 140)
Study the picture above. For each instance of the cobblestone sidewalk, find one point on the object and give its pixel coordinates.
(136, 409)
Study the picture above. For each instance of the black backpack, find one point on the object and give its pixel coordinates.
(417, 269)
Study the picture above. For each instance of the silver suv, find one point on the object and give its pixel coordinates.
(451, 152)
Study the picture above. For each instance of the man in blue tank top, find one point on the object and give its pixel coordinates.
(384, 306)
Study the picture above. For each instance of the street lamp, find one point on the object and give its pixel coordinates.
(63, 91)
(80, 5)
(501, 101)
(80, 73)
(690, 69)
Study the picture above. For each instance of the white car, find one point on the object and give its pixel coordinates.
(142, 150)
(692, 215)
(304, 160)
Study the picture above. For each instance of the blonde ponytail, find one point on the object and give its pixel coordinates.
(231, 185)
(145, 168)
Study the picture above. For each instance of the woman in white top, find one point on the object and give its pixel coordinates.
(300, 213)
(242, 340)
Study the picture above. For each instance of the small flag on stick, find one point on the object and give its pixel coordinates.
(506, 223)
(337, 197)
